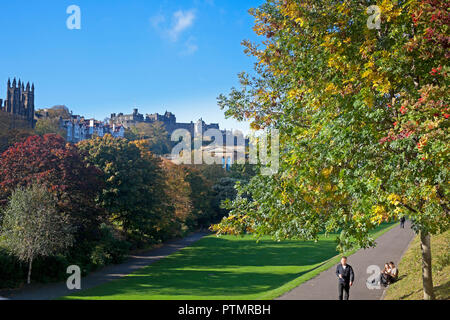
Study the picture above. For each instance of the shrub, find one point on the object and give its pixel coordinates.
(109, 249)
(12, 271)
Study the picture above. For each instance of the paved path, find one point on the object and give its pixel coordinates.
(113, 272)
(390, 247)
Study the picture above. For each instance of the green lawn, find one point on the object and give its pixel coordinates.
(225, 268)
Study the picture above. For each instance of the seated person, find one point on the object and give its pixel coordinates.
(393, 273)
(385, 274)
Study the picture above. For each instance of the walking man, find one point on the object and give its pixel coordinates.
(346, 276)
(402, 222)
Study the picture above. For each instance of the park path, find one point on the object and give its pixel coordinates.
(390, 247)
(109, 273)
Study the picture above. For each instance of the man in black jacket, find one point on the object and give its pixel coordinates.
(346, 276)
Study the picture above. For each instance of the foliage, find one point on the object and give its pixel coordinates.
(202, 197)
(49, 161)
(352, 105)
(110, 249)
(49, 125)
(55, 112)
(11, 269)
(12, 130)
(132, 177)
(33, 227)
(224, 190)
(363, 118)
(177, 194)
(156, 135)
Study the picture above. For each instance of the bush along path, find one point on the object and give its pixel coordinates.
(109, 273)
(390, 247)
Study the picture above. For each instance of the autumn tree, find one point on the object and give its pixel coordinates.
(202, 197)
(48, 126)
(12, 130)
(362, 111)
(33, 226)
(132, 184)
(154, 133)
(178, 204)
(49, 161)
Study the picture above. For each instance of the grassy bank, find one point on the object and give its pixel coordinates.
(225, 268)
(410, 285)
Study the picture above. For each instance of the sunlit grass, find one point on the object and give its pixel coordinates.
(223, 268)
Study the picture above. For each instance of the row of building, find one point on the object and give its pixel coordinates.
(19, 104)
(168, 120)
(78, 129)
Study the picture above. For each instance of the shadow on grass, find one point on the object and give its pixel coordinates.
(227, 267)
(221, 267)
(193, 283)
(443, 291)
(214, 252)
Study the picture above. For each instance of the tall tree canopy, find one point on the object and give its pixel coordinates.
(363, 118)
(132, 192)
(49, 161)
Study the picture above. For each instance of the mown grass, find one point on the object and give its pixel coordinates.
(228, 268)
(409, 287)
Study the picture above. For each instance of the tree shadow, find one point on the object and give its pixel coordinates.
(215, 267)
(443, 291)
(193, 283)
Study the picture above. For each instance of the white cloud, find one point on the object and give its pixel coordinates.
(182, 20)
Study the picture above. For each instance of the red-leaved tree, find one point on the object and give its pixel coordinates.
(50, 161)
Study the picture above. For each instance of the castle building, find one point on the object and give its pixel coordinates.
(168, 120)
(19, 101)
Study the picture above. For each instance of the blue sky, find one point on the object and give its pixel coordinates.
(152, 54)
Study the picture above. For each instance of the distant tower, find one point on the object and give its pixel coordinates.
(19, 101)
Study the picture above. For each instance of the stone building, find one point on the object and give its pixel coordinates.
(19, 102)
(168, 120)
(78, 129)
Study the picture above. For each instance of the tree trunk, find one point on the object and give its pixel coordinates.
(425, 244)
(29, 271)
